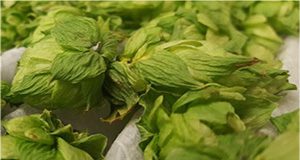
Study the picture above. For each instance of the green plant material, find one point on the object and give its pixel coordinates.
(8, 147)
(205, 73)
(29, 128)
(283, 16)
(287, 122)
(263, 22)
(181, 69)
(44, 75)
(91, 145)
(242, 145)
(195, 133)
(141, 39)
(48, 21)
(123, 87)
(75, 73)
(22, 21)
(181, 65)
(129, 11)
(83, 35)
(69, 152)
(288, 127)
(43, 136)
(5, 88)
(275, 152)
(185, 64)
(157, 121)
(216, 113)
(166, 134)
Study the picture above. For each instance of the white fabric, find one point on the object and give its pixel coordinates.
(125, 147)
(9, 61)
(290, 59)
